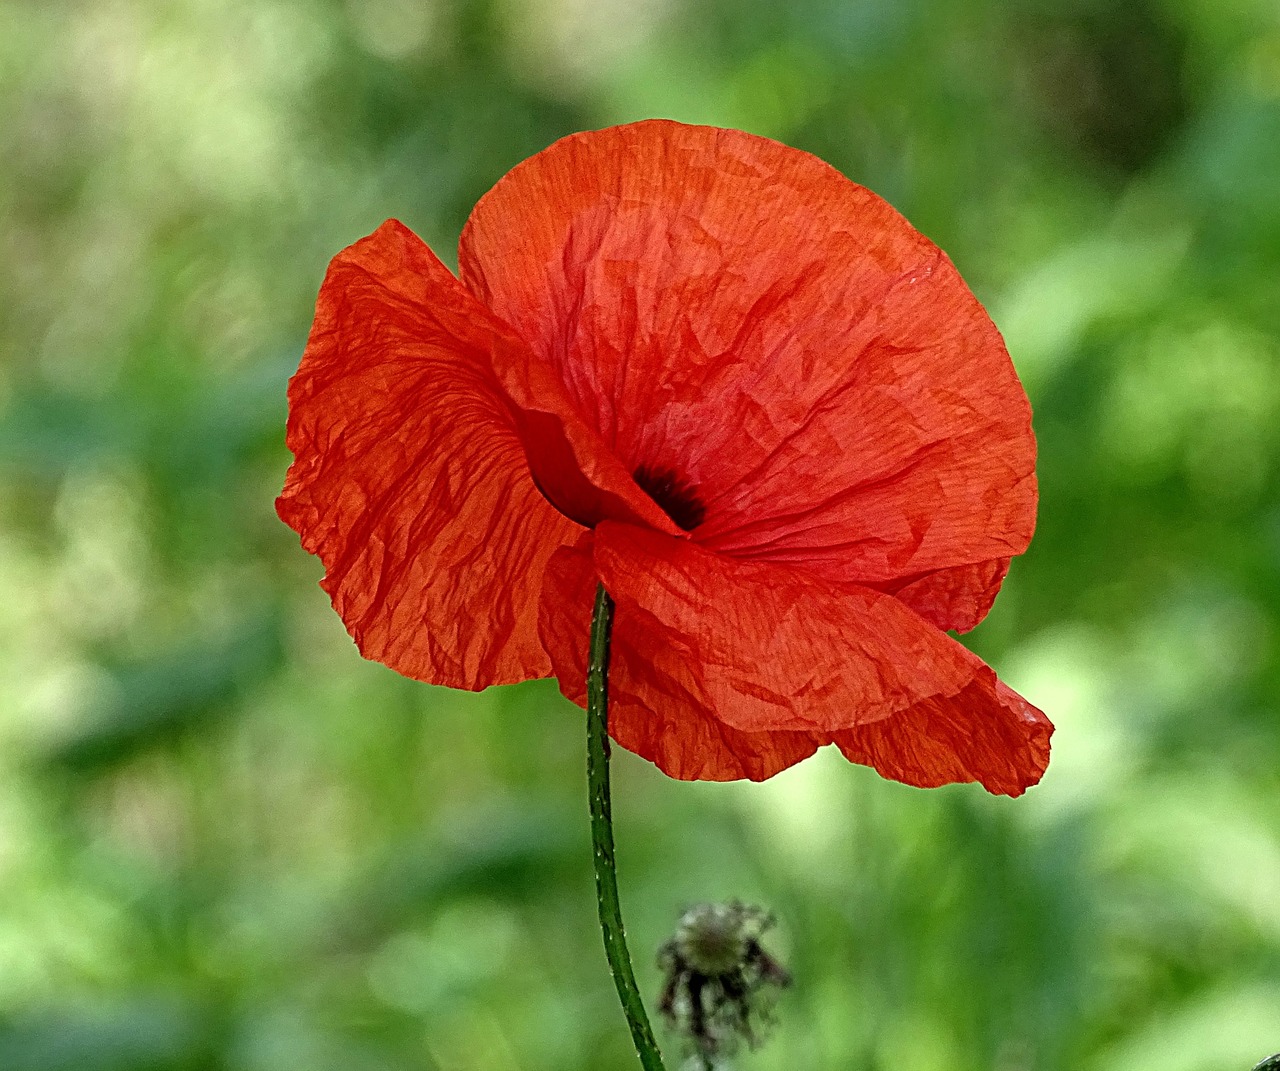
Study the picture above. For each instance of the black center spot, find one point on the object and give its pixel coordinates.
(678, 499)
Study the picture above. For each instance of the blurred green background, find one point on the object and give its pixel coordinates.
(228, 843)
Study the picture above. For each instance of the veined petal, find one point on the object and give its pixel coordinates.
(570, 464)
(658, 706)
(986, 733)
(740, 315)
(957, 598)
(720, 662)
(777, 647)
(409, 480)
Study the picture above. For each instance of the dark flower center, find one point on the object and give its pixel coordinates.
(678, 500)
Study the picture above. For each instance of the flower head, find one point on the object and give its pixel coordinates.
(720, 984)
(736, 388)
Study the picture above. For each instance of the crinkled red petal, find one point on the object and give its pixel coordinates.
(737, 313)
(724, 666)
(409, 480)
(957, 598)
(986, 733)
(571, 466)
(776, 647)
(658, 706)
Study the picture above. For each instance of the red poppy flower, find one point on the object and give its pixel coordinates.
(713, 374)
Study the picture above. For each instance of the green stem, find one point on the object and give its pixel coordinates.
(615, 941)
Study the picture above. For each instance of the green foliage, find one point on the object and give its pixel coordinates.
(227, 844)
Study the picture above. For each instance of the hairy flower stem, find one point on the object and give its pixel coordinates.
(615, 941)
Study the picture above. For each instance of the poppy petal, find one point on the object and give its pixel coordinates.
(569, 463)
(658, 706)
(760, 651)
(941, 741)
(956, 598)
(409, 479)
(778, 648)
(740, 315)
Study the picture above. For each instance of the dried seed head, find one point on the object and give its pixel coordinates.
(712, 939)
(721, 985)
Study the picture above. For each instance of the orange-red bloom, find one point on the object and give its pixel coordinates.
(712, 373)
